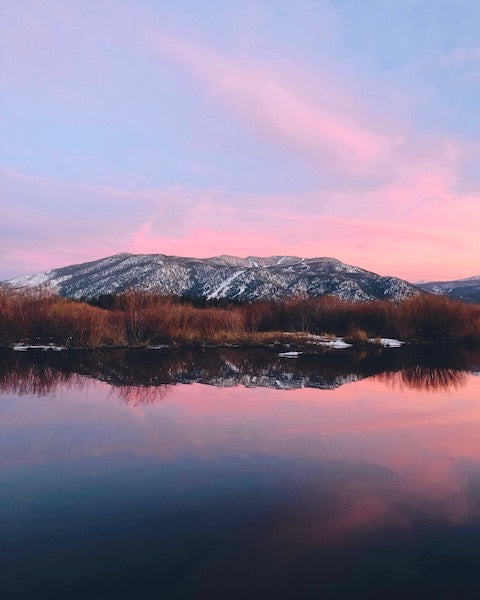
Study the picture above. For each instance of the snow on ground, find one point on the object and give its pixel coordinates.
(387, 342)
(46, 280)
(224, 285)
(338, 343)
(330, 342)
(23, 348)
(157, 347)
(31, 280)
(292, 354)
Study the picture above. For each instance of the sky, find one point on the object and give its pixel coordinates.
(309, 128)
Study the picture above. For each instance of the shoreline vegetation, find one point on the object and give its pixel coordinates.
(142, 319)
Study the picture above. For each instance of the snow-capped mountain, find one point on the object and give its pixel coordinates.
(462, 289)
(219, 277)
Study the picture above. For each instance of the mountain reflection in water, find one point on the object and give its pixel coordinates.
(146, 375)
(274, 480)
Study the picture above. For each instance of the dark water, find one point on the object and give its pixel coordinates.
(239, 474)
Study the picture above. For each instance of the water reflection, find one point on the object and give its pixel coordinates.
(421, 377)
(136, 395)
(224, 491)
(137, 373)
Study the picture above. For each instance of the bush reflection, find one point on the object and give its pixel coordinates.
(145, 376)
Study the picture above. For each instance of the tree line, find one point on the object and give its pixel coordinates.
(136, 319)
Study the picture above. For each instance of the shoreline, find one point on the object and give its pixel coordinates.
(298, 346)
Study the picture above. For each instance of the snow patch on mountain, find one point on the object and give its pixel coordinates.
(222, 289)
(225, 276)
(467, 289)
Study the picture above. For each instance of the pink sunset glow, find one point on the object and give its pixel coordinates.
(422, 438)
(437, 238)
(149, 138)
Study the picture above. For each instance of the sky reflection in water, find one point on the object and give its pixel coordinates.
(200, 491)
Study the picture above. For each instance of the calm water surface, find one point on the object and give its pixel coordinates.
(229, 474)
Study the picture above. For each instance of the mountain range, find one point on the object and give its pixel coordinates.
(461, 289)
(234, 278)
(219, 277)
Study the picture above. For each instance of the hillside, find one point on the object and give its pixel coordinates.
(460, 289)
(228, 277)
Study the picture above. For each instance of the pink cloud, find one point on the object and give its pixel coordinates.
(409, 217)
(421, 228)
(417, 228)
(274, 108)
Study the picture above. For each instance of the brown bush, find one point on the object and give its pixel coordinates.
(357, 336)
(438, 319)
(139, 318)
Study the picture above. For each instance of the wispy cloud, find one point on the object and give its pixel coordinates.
(60, 224)
(265, 98)
(381, 193)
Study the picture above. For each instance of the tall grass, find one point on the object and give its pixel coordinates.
(139, 319)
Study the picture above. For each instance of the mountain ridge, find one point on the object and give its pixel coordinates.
(467, 289)
(219, 277)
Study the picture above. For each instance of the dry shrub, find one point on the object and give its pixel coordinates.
(357, 336)
(438, 319)
(140, 318)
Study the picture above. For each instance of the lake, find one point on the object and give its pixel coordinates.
(229, 473)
